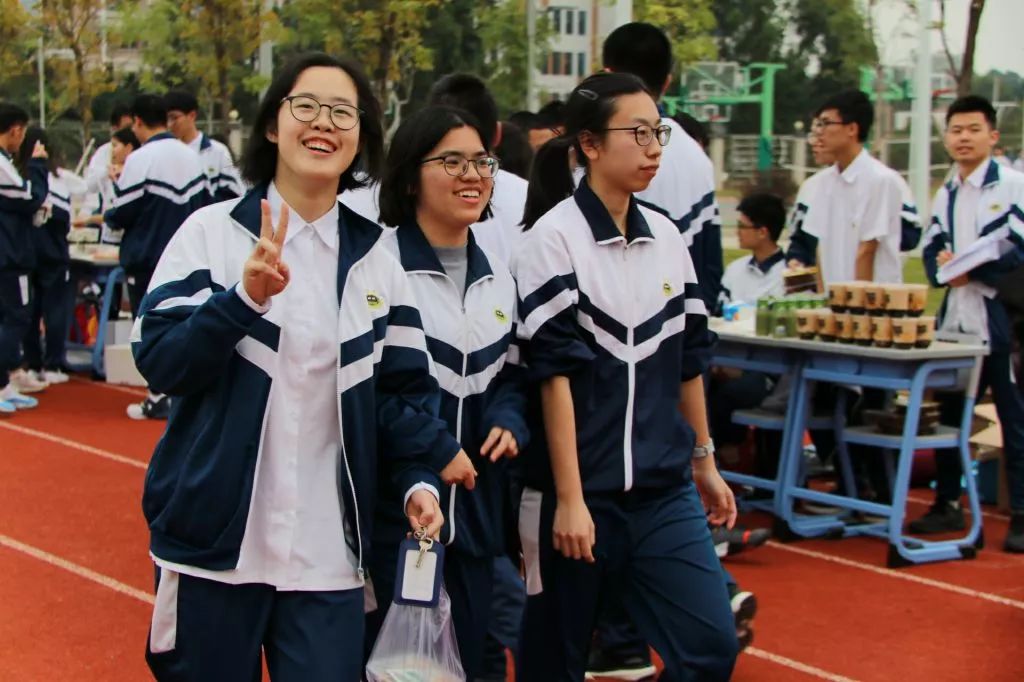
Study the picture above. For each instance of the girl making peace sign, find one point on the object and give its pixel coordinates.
(295, 353)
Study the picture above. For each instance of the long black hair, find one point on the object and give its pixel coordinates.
(259, 161)
(32, 135)
(588, 110)
(413, 140)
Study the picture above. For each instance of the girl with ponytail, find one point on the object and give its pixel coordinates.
(616, 341)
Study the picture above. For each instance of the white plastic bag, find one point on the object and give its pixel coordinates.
(417, 644)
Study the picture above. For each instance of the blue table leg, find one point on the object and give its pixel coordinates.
(116, 275)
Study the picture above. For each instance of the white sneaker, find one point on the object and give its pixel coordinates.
(54, 376)
(11, 398)
(24, 382)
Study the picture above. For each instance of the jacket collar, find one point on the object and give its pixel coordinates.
(984, 176)
(417, 255)
(160, 136)
(601, 223)
(768, 263)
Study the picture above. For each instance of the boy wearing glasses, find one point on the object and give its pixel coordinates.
(182, 110)
(161, 184)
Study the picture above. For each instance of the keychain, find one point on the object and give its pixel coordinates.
(420, 567)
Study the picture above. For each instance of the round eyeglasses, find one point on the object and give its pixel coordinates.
(644, 134)
(457, 165)
(306, 109)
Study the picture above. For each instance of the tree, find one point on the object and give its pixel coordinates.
(503, 32)
(207, 45)
(964, 75)
(689, 24)
(16, 37)
(385, 35)
(72, 36)
(749, 30)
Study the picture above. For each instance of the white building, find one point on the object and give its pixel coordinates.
(580, 27)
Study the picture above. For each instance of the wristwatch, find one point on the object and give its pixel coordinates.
(702, 451)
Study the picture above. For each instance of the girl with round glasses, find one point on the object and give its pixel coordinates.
(292, 342)
(616, 337)
(438, 181)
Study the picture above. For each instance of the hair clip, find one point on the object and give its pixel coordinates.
(588, 94)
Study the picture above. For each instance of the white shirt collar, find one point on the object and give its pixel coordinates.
(977, 177)
(856, 166)
(326, 226)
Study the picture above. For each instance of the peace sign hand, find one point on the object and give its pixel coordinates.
(265, 274)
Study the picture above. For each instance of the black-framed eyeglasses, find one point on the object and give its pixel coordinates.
(457, 165)
(306, 109)
(822, 123)
(644, 134)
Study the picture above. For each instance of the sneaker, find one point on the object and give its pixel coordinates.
(744, 606)
(53, 376)
(631, 667)
(943, 517)
(1015, 536)
(745, 635)
(13, 400)
(729, 542)
(25, 382)
(153, 407)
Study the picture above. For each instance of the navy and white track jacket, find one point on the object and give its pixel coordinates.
(50, 239)
(197, 340)
(161, 185)
(1000, 216)
(20, 198)
(623, 319)
(221, 173)
(472, 343)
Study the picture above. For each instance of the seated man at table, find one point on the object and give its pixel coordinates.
(982, 201)
(759, 225)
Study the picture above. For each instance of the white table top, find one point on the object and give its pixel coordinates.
(742, 331)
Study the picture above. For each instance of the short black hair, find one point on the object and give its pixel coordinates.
(969, 104)
(259, 160)
(469, 93)
(150, 109)
(693, 128)
(11, 115)
(523, 120)
(34, 134)
(853, 107)
(413, 140)
(550, 116)
(179, 100)
(514, 151)
(641, 49)
(117, 113)
(765, 210)
(126, 136)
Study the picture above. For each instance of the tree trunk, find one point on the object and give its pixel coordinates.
(967, 66)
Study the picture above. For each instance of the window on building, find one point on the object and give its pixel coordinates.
(569, 23)
(568, 63)
(581, 64)
(582, 15)
(555, 17)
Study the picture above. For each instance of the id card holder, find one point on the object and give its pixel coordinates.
(418, 578)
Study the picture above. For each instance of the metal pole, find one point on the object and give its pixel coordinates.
(921, 111)
(103, 33)
(266, 55)
(531, 56)
(41, 65)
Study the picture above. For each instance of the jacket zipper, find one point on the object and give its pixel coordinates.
(627, 432)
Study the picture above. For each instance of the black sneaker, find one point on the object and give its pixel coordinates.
(744, 606)
(1015, 536)
(729, 542)
(632, 667)
(745, 636)
(943, 517)
(160, 408)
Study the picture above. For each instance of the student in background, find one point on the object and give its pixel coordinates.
(21, 196)
(160, 186)
(51, 293)
(182, 110)
(983, 201)
(123, 142)
(98, 170)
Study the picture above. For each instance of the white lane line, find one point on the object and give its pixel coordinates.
(986, 514)
(796, 665)
(901, 575)
(106, 454)
(81, 571)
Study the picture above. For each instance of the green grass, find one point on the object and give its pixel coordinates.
(913, 273)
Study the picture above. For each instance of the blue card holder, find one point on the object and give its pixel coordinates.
(418, 577)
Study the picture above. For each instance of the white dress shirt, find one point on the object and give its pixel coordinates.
(295, 534)
(965, 306)
(862, 203)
